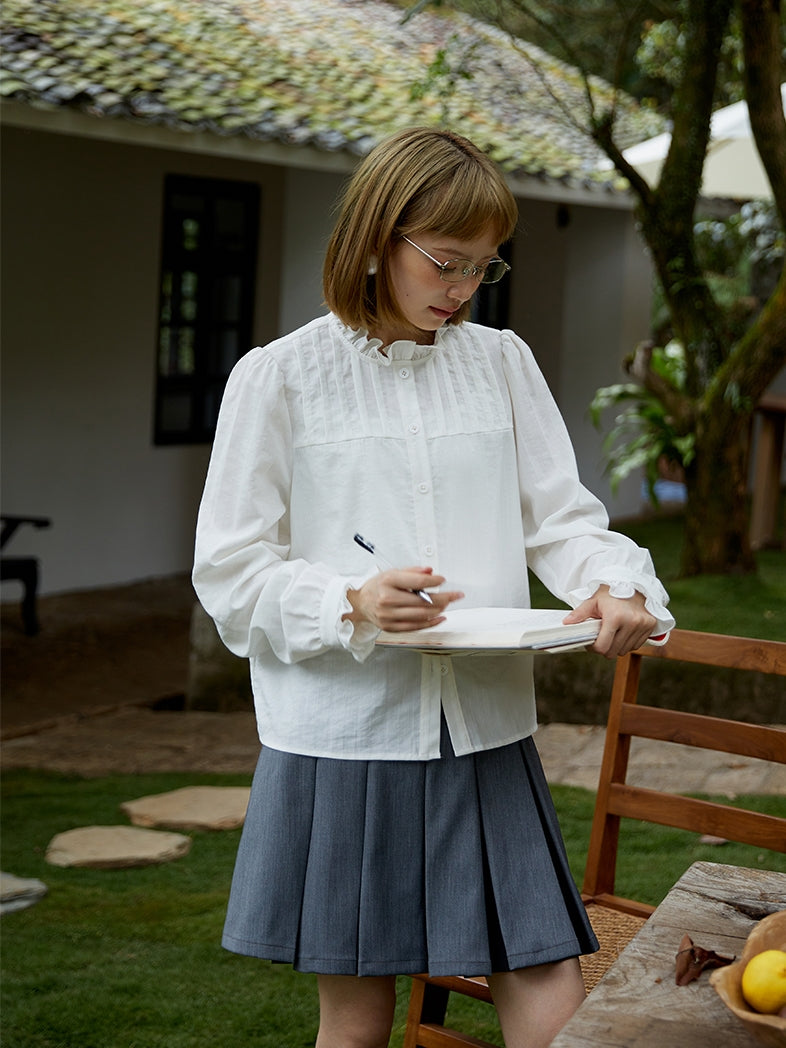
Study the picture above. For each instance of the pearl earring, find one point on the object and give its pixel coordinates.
(372, 265)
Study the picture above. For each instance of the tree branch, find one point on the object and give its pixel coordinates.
(761, 352)
(525, 9)
(602, 131)
(761, 43)
(678, 406)
(680, 180)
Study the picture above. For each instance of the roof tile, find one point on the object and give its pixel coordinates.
(334, 74)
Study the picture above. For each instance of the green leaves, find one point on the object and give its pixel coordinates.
(644, 436)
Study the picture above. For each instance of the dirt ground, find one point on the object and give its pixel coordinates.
(100, 689)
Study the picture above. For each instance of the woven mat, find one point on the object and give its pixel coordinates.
(614, 931)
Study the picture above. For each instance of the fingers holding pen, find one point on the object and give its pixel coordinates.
(413, 601)
(399, 598)
(395, 600)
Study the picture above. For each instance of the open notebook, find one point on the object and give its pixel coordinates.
(474, 630)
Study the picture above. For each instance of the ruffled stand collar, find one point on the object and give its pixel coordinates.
(402, 349)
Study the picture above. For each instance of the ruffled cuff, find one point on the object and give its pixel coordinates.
(655, 600)
(339, 632)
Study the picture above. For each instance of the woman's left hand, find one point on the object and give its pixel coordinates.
(625, 622)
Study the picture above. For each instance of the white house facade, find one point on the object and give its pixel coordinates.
(95, 434)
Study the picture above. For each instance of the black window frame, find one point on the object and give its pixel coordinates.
(491, 302)
(207, 291)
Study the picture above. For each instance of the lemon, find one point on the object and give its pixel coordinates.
(764, 981)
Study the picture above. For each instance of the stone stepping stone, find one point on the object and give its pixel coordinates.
(191, 808)
(115, 847)
(17, 893)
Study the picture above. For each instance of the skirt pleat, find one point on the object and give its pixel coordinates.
(394, 904)
(527, 859)
(265, 902)
(453, 866)
(454, 861)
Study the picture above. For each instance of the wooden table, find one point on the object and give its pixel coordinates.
(637, 1003)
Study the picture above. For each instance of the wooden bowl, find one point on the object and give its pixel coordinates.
(769, 934)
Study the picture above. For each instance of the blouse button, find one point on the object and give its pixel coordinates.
(429, 551)
(444, 670)
(422, 488)
(414, 427)
(404, 372)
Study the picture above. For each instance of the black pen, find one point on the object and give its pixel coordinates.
(385, 563)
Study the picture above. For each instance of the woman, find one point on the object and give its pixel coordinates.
(399, 820)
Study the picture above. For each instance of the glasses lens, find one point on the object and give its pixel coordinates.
(457, 269)
(495, 270)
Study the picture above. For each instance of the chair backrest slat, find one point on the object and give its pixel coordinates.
(699, 816)
(628, 720)
(717, 649)
(709, 733)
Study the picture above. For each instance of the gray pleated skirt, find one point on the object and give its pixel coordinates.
(453, 866)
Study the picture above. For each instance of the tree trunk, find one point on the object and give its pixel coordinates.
(762, 38)
(725, 377)
(726, 374)
(716, 514)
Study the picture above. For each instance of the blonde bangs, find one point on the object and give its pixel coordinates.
(471, 204)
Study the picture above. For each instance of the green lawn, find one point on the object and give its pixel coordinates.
(131, 958)
(746, 606)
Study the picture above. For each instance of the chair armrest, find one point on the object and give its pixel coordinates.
(9, 524)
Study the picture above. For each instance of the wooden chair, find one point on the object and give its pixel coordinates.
(614, 918)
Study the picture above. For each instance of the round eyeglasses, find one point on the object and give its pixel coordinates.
(458, 269)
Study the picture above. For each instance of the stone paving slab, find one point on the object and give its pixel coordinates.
(17, 893)
(572, 754)
(191, 808)
(134, 741)
(137, 741)
(115, 847)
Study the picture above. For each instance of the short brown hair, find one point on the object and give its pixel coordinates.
(420, 180)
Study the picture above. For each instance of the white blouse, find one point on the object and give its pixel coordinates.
(452, 455)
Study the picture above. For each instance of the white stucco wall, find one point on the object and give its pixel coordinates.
(582, 293)
(605, 314)
(311, 198)
(537, 284)
(81, 246)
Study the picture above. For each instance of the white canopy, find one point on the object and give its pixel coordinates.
(732, 167)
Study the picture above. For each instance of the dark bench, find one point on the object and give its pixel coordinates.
(22, 569)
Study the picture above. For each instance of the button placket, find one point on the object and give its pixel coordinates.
(419, 461)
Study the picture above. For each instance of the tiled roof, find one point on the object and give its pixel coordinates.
(333, 74)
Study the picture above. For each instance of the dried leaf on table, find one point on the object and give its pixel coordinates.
(692, 960)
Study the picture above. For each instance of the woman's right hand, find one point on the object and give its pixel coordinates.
(388, 602)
